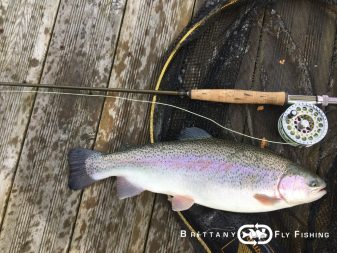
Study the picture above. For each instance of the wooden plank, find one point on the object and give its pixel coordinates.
(42, 210)
(296, 52)
(168, 239)
(198, 5)
(164, 234)
(236, 117)
(325, 215)
(25, 31)
(148, 29)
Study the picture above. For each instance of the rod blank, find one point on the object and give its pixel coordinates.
(96, 89)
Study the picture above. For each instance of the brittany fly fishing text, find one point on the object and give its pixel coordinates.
(276, 234)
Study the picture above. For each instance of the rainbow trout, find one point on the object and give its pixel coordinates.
(203, 170)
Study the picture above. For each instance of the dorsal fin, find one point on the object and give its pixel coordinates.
(193, 133)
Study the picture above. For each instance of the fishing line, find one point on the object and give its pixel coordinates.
(149, 102)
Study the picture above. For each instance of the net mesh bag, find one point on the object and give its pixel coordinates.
(266, 46)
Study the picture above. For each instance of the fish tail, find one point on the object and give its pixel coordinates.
(78, 168)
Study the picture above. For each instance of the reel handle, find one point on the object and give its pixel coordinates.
(231, 96)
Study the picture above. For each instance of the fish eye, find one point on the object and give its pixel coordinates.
(313, 183)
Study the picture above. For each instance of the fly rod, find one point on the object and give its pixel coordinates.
(302, 124)
(230, 96)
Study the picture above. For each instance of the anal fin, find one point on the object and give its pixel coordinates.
(125, 189)
(181, 203)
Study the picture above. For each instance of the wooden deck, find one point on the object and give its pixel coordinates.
(115, 43)
(120, 43)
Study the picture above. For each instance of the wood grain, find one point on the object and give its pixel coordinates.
(38, 213)
(164, 234)
(198, 5)
(235, 117)
(42, 210)
(25, 31)
(148, 29)
(167, 240)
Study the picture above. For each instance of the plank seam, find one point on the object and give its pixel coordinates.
(28, 123)
(194, 7)
(150, 223)
(259, 48)
(97, 128)
(330, 85)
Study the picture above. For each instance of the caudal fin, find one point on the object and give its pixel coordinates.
(78, 176)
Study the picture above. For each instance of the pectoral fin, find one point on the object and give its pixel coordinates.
(181, 203)
(266, 200)
(125, 189)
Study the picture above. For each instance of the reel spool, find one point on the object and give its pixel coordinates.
(303, 124)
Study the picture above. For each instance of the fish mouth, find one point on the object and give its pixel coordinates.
(321, 191)
(317, 194)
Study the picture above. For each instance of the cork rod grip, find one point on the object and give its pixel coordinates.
(240, 96)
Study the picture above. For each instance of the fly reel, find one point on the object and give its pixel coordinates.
(303, 124)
